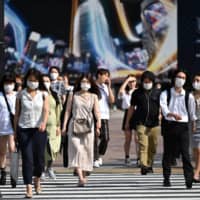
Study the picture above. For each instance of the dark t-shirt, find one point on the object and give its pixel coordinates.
(146, 104)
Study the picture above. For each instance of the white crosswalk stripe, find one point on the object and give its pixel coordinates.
(108, 186)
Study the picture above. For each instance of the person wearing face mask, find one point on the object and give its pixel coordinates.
(143, 116)
(31, 117)
(83, 104)
(103, 81)
(6, 129)
(52, 128)
(196, 135)
(54, 74)
(177, 111)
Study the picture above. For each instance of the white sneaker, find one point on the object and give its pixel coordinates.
(51, 173)
(43, 176)
(100, 161)
(96, 164)
(127, 161)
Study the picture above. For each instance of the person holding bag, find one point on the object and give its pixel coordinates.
(7, 109)
(81, 129)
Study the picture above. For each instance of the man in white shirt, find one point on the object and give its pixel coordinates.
(104, 83)
(177, 113)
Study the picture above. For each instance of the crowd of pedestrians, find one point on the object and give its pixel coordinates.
(40, 112)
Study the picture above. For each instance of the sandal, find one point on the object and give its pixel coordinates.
(29, 194)
(37, 185)
(196, 179)
(81, 183)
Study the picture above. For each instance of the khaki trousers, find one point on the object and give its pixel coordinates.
(147, 139)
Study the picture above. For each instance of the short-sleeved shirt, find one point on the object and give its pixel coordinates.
(104, 102)
(126, 99)
(5, 123)
(31, 113)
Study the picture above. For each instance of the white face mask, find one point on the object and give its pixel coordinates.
(147, 86)
(32, 85)
(53, 76)
(196, 85)
(85, 86)
(8, 87)
(179, 82)
(47, 85)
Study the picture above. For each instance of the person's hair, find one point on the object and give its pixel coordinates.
(20, 76)
(54, 67)
(94, 88)
(102, 71)
(42, 87)
(127, 87)
(197, 74)
(6, 78)
(32, 72)
(148, 74)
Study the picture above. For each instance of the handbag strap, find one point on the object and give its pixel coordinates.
(91, 105)
(8, 106)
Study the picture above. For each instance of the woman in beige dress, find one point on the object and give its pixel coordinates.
(82, 104)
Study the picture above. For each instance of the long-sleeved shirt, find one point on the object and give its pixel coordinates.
(177, 105)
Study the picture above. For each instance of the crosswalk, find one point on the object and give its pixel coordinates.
(101, 186)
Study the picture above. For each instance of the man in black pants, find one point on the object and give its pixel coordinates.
(104, 84)
(176, 114)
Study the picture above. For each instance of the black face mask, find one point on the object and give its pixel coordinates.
(17, 85)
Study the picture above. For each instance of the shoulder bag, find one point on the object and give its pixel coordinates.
(83, 125)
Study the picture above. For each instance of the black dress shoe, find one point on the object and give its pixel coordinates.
(3, 178)
(150, 170)
(166, 183)
(144, 170)
(13, 182)
(189, 185)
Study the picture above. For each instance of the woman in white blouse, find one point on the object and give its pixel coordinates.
(125, 92)
(30, 121)
(6, 129)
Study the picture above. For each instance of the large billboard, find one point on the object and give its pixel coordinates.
(154, 43)
(123, 36)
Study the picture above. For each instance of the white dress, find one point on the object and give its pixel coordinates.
(81, 148)
(5, 123)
